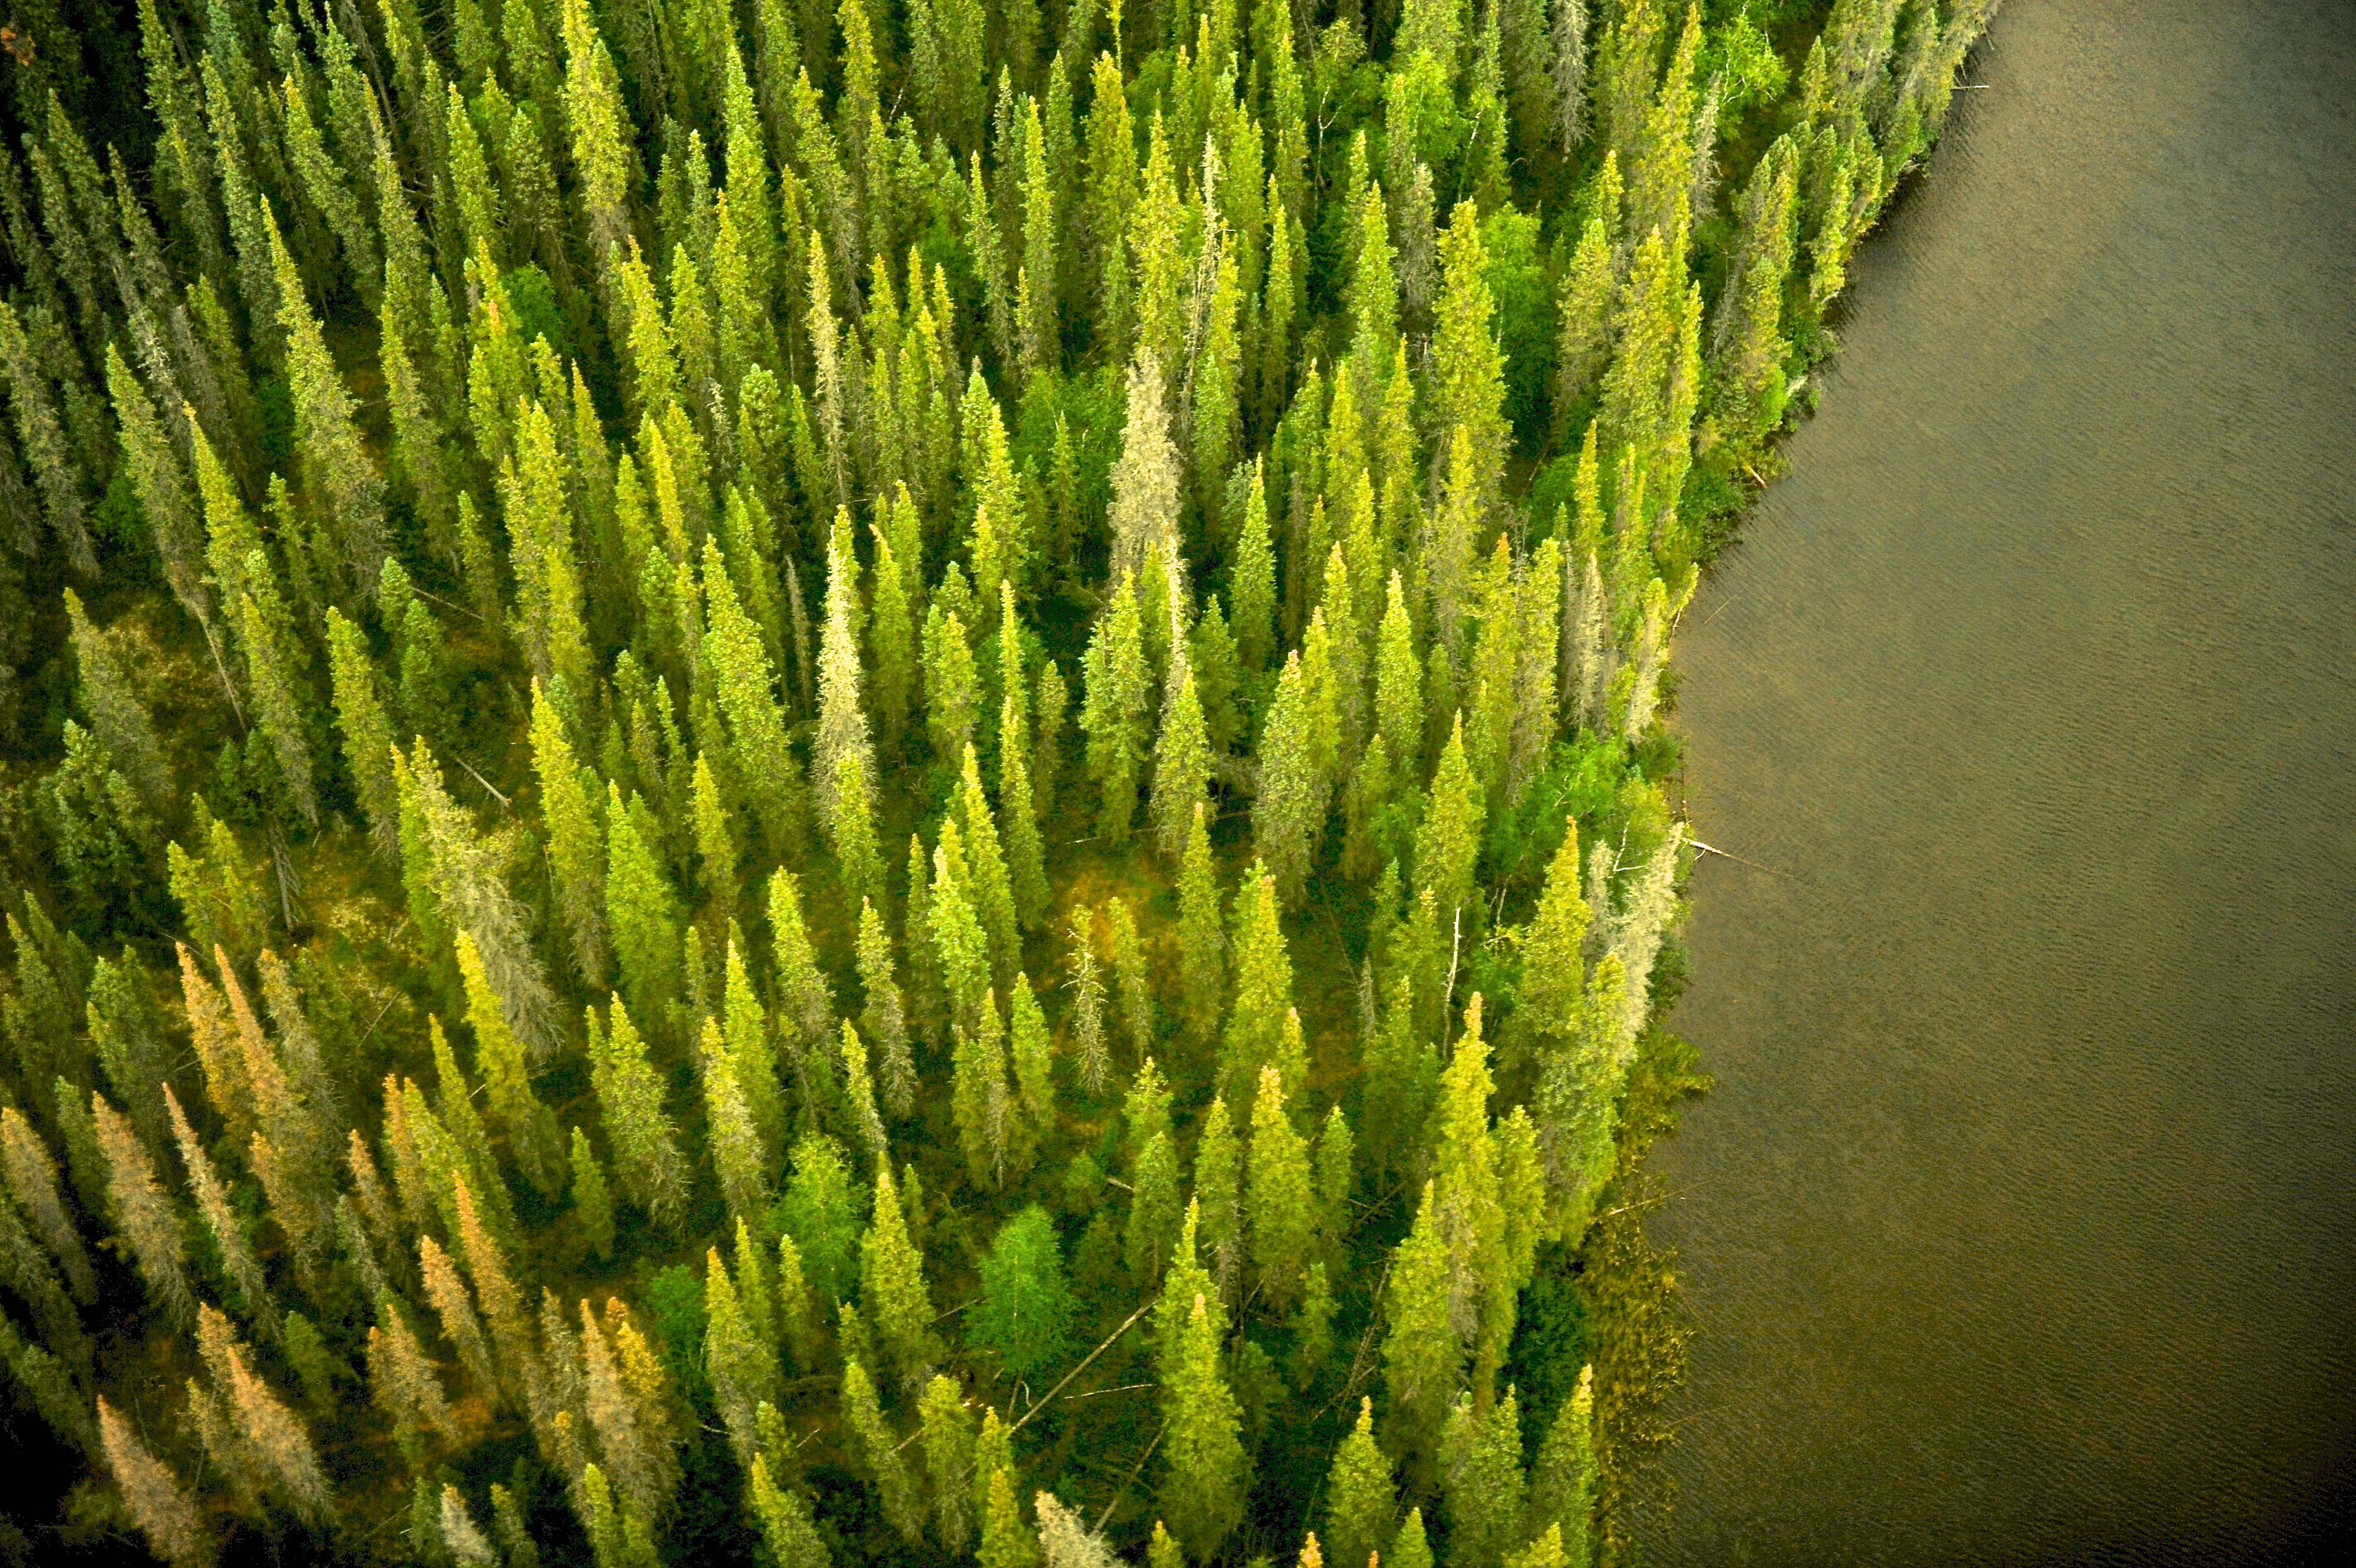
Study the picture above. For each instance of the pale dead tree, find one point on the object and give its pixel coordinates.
(1636, 929)
(1065, 1542)
(1144, 516)
(1570, 72)
(461, 1536)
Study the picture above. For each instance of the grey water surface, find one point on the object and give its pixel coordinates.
(2021, 1224)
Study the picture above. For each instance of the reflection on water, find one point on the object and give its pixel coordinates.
(2022, 1227)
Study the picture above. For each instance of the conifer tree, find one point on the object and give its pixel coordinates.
(273, 664)
(1154, 1207)
(1006, 1540)
(742, 1369)
(43, 439)
(1205, 1468)
(858, 1095)
(1482, 1460)
(142, 1214)
(982, 1098)
(990, 884)
(405, 1386)
(336, 469)
(1202, 941)
(948, 1442)
(1218, 1193)
(842, 721)
(642, 913)
(161, 482)
(1398, 685)
(1129, 970)
(1422, 1356)
(953, 931)
(1032, 1058)
(32, 1182)
(892, 641)
(530, 1128)
(1182, 756)
(1114, 713)
(1263, 983)
(1251, 586)
(1562, 1481)
(456, 1306)
(159, 1503)
(117, 716)
(894, 1485)
(805, 1001)
(367, 731)
(1289, 811)
(1588, 295)
(785, 1521)
(1279, 1198)
(743, 679)
(952, 689)
(630, 1096)
(748, 1046)
(736, 1154)
(883, 1014)
(1360, 1504)
(1088, 989)
(892, 1286)
(591, 1200)
(1143, 520)
(221, 1221)
(1449, 840)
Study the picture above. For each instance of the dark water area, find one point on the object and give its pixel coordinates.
(2021, 1226)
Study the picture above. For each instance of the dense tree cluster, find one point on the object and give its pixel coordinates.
(823, 781)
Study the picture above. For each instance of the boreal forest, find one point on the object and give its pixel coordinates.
(812, 784)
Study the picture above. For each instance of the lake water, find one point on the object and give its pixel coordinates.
(2021, 1226)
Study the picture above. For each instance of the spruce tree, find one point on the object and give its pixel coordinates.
(1482, 1460)
(881, 1450)
(630, 1097)
(1114, 716)
(952, 689)
(590, 1198)
(642, 912)
(1263, 993)
(117, 715)
(882, 1013)
(1129, 970)
(336, 469)
(991, 883)
(1205, 1468)
(1289, 813)
(858, 1095)
(1088, 989)
(1202, 941)
(1360, 1503)
(1251, 587)
(143, 1216)
(1449, 840)
(1422, 1356)
(1032, 1058)
(1182, 756)
(1280, 1202)
(158, 1504)
(1218, 1193)
(804, 1000)
(367, 731)
(736, 1153)
(533, 1141)
(892, 1286)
